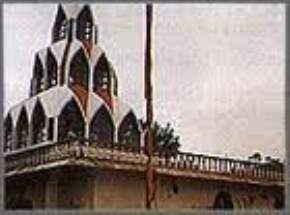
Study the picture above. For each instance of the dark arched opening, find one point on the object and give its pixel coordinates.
(8, 127)
(79, 71)
(223, 200)
(51, 65)
(70, 122)
(38, 77)
(38, 124)
(101, 77)
(60, 25)
(85, 25)
(22, 130)
(128, 132)
(102, 126)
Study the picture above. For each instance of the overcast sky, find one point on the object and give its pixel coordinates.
(218, 69)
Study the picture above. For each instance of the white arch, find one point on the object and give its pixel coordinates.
(94, 105)
(29, 106)
(96, 53)
(42, 57)
(55, 99)
(57, 49)
(120, 110)
(74, 98)
(14, 112)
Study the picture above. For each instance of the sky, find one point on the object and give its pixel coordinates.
(218, 69)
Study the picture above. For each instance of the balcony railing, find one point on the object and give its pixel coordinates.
(124, 153)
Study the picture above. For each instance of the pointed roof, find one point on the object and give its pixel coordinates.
(72, 10)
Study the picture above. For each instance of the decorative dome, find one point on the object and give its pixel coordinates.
(73, 90)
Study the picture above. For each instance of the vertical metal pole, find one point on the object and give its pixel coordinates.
(149, 109)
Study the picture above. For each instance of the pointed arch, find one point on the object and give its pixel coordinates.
(101, 76)
(128, 131)
(37, 84)
(60, 25)
(8, 128)
(51, 65)
(70, 121)
(38, 124)
(79, 70)
(223, 200)
(85, 24)
(22, 129)
(102, 126)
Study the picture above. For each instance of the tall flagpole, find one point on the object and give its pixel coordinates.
(149, 109)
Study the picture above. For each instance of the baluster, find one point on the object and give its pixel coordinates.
(203, 163)
(266, 172)
(209, 163)
(183, 161)
(234, 167)
(262, 173)
(216, 164)
(270, 174)
(276, 174)
(228, 166)
(254, 171)
(172, 161)
(177, 161)
(188, 162)
(191, 161)
(221, 165)
(199, 162)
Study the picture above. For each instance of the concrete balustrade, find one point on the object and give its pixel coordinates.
(125, 152)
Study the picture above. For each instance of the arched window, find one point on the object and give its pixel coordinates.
(101, 78)
(85, 24)
(223, 200)
(51, 65)
(38, 124)
(60, 25)
(128, 132)
(38, 76)
(70, 122)
(22, 129)
(79, 71)
(102, 126)
(8, 133)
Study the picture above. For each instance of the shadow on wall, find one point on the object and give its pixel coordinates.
(223, 200)
(19, 203)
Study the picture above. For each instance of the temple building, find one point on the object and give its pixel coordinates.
(73, 90)
(74, 144)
